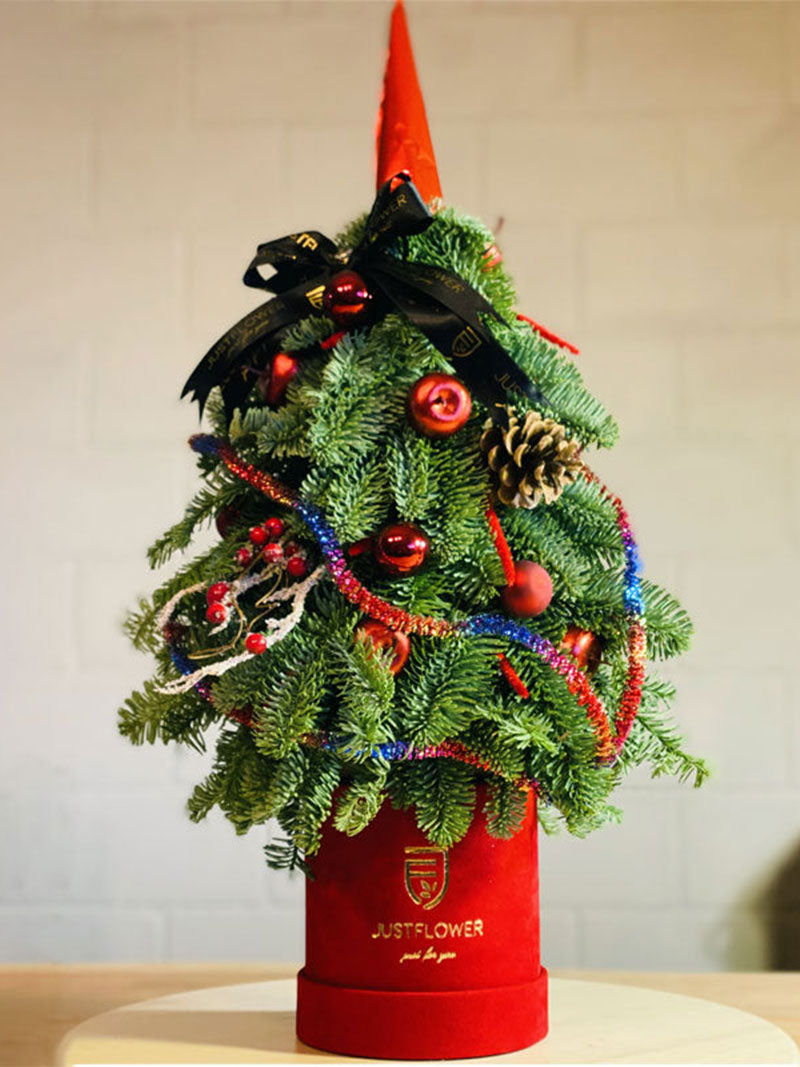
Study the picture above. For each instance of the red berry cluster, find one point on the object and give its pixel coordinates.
(216, 611)
(265, 538)
(264, 544)
(270, 530)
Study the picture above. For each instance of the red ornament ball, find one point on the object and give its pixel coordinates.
(216, 592)
(584, 646)
(216, 613)
(255, 643)
(274, 381)
(258, 535)
(226, 519)
(401, 548)
(346, 298)
(438, 405)
(291, 548)
(272, 553)
(243, 556)
(274, 527)
(382, 636)
(297, 567)
(531, 591)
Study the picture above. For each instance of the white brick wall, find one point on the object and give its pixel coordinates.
(645, 160)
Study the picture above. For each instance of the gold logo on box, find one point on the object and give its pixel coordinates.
(426, 874)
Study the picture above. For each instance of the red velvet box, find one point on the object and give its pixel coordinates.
(416, 952)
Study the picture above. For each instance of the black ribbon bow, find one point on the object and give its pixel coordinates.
(438, 302)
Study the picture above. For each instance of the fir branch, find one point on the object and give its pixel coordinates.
(202, 509)
(669, 628)
(283, 432)
(589, 521)
(362, 503)
(506, 758)
(307, 332)
(476, 578)
(364, 686)
(359, 803)
(656, 741)
(426, 593)
(505, 807)
(286, 782)
(237, 784)
(536, 535)
(601, 609)
(408, 462)
(459, 483)
(521, 724)
(150, 715)
(437, 692)
(283, 688)
(350, 412)
(443, 796)
(283, 855)
(560, 380)
(305, 814)
(140, 627)
(289, 707)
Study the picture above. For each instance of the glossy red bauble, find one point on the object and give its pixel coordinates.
(274, 527)
(438, 405)
(216, 592)
(297, 567)
(243, 556)
(382, 636)
(401, 548)
(584, 646)
(273, 382)
(291, 548)
(258, 535)
(346, 298)
(531, 591)
(255, 643)
(272, 553)
(216, 613)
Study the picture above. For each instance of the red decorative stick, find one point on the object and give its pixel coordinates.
(548, 334)
(500, 543)
(512, 677)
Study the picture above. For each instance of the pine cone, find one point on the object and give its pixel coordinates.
(531, 461)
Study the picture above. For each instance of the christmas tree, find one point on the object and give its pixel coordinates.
(420, 584)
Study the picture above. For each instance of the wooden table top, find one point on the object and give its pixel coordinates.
(39, 1004)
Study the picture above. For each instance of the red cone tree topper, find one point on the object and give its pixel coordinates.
(403, 138)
